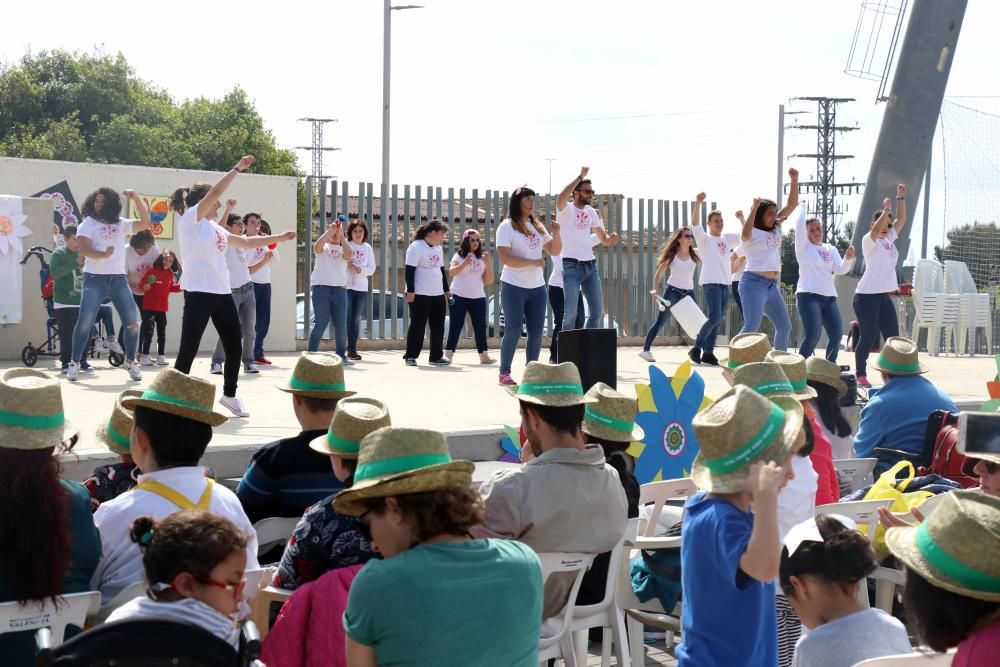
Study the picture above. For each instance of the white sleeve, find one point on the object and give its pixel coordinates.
(595, 239)
(801, 232)
(596, 216)
(369, 267)
(503, 236)
(413, 255)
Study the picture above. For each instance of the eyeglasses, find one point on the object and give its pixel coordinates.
(687, 236)
(587, 192)
(235, 589)
(474, 238)
(364, 528)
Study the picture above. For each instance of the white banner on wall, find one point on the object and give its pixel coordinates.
(12, 230)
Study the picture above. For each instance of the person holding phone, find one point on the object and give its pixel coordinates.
(329, 287)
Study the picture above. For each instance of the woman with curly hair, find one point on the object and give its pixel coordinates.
(48, 543)
(418, 506)
(471, 270)
(427, 292)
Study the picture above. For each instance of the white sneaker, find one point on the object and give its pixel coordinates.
(146, 360)
(216, 369)
(112, 344)
(647, 355)
(251, 368)
(234, 405)
(73, 371)
(449, 355)
(347, 362)
(133, 370)
(161, 360)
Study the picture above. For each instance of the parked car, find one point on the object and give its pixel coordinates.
(382, 305)
(608, 322)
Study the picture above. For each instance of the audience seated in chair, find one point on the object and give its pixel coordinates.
(110, 481)
(48, 544)
(173, 426)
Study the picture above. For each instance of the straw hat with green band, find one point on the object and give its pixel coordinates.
(612, 417)
(177, 394)
(793, 365)
(397, 461)
(31, 411)
(957, 547)
(116, 432)
(746, 348)
(899, 357)
(766, 378)
(825, 372)
(555, 385)
(739, 429)
(354, 418)
(317, 375)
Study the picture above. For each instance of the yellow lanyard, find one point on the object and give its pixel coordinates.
(176, 498)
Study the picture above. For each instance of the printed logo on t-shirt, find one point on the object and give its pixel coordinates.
(722, 246)
(825, 255)
(476, 266)
(334, 251)
(434, 260)
(220, 241)
(582, 220)
(773, 240)
(358, 257)
(890, 248)
(110, 232)
(533, 240)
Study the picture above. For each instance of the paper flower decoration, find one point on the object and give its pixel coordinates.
(511, 451)
(666, 408)
(12, 227)
(993, 387)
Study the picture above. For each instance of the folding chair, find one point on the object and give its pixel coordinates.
(127, 594)
(71, 609)
(274, 531)
(262, 606)
(657, 494)
(854, 473)
(551, 645)
(865, 514)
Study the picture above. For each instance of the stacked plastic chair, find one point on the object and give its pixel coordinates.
(936, 310)
(974, 309)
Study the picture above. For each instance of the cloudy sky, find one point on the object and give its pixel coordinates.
(660, 98)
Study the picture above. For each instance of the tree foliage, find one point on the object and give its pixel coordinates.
(978, 245)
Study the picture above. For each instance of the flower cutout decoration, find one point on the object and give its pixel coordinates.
(666, 408)
(12, 227)
(511, 451)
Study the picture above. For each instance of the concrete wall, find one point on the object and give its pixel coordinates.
(272, 196)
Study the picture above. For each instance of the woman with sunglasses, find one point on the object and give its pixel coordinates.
(873, 307)
(678, 256)
(470, 271)
(194, 563)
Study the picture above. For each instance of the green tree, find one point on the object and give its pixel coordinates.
(978, 245)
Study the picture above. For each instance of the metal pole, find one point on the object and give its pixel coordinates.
(551, 160)
(386, 58)
(927, 203)
(781, 152)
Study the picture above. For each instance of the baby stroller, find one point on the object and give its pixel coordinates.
(50, 347)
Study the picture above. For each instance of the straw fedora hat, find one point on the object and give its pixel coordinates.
(956, 548)
(31, 411)
(740, 428)
(397, 461)
(178, 394)
(612, 417)
(555, 385)
(354, 418)
(116, 432)
(825, 372)
(766, 378)
(793, 365)
(746, 348)
(317, 375)
(899, 357)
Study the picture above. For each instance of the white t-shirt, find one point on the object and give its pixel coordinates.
(556, 277)
(428, 261)
(880, 265)
(817, 263)
(525, 246)
(364, 257)
(738, 251)
(468, 284)
(575, 225)
(137, 265)
(682, 273)
(763, 250)
(203, 252)
(102, 235)
(236, 264)
(263, 275)
(714, 252)
(330, 266)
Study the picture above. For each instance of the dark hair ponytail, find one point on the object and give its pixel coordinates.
(185, 198)
(177, 200)
(844, 557)
(428, 227)
(828, 408)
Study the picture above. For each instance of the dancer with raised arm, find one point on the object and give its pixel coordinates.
(678, 256)
(716, 271)
(760, 286)
(207, 291)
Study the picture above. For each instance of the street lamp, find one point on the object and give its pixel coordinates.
(551, 160)
(386, 61)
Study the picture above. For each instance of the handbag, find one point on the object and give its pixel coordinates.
(946, 460)
(888, 487)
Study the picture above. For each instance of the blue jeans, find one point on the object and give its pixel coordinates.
(716, 300)
(558, 309)
(762, 297)
(329, 306)
(262, 297)
(818, 311)
(673, 295)
(521, 306)
(357, 305)
(105, 315)
(581, 278)
(96, 287)
(476, 308)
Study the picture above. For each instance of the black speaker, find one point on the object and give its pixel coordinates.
(595, 353)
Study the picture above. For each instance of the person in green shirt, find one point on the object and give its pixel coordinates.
(66, 269)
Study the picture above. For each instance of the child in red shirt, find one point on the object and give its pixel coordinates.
(157, 284)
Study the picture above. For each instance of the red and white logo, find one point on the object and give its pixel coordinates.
(890, 248)
(825, 255)
(358, 257)
(773, 240)
(476, 266)
(334, 251)
(533, 240)
(582, 220)
(221, 242)
(110, 232)
(434, 260)
(722, 246)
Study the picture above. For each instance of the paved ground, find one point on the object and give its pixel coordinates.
(656, 654)
(463, 395)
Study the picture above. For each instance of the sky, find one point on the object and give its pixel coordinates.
(661, 99)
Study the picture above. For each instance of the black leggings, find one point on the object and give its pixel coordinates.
(199, 308)
(876, 315)
(423, 311)
(151, 319)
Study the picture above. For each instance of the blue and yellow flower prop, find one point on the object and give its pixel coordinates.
(511, 451)
(666, 408)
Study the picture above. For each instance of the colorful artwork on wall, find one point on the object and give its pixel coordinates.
(159, 213)
(66, 211)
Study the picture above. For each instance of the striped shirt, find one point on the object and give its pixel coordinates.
(187, 610)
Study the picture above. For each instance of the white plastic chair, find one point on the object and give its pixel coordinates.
(974, 309)
(865, 514)
(857, 473)
(71, 609)
(126, 594)
(657, 494)
(606, 614)
(274, 530)
(915, 659)
(550, 645)
(934, 310)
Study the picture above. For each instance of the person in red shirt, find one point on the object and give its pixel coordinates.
(157, 284)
